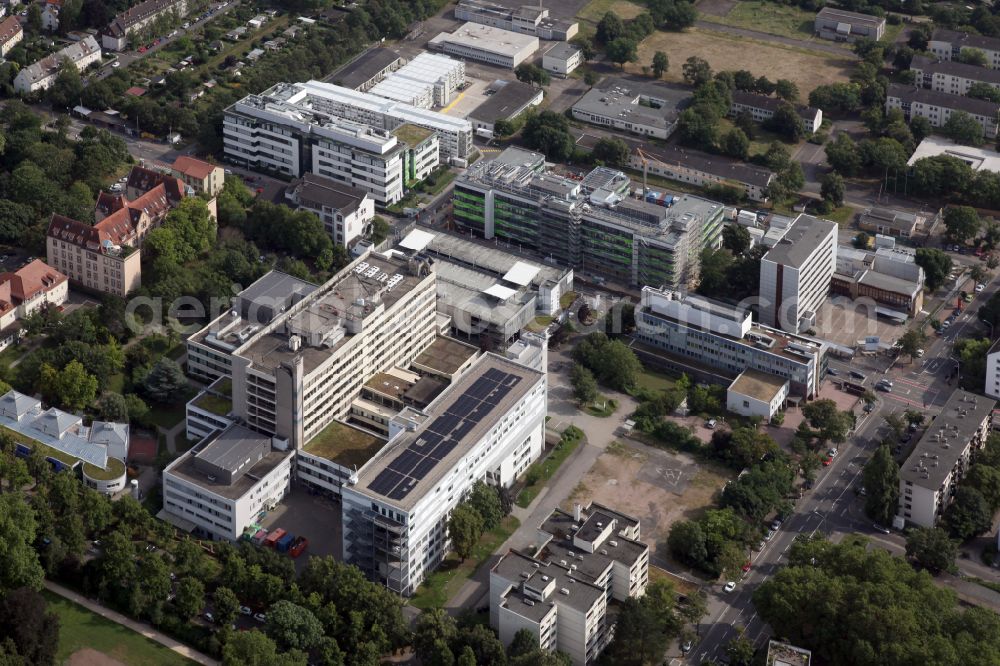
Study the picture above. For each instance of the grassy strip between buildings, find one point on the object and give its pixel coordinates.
(543, 470)
(447, 580)
(80, 629)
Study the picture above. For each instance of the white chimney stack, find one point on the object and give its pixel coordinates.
(576, 512)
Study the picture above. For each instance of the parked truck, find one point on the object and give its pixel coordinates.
(273, 537)
(298, 546)
(284, 542)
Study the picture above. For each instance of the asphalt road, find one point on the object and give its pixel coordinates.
(833, 506)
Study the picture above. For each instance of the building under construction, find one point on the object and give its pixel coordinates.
(594, 225)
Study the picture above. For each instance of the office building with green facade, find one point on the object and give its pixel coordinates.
(593, 225)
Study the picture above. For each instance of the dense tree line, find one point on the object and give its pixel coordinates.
(611, 361)
(852, 604)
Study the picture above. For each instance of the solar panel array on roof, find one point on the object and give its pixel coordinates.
(443, 434)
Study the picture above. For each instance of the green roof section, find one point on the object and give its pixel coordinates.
(344, 445)
(214, 404)
(412, 135)
(115, 469)
(45, 449)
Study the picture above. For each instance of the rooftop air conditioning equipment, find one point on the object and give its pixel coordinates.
(545, 578)
(525, 575)
(570, 553)
(564, 590)
(613, 544)
(529, 602)
(536, 565)
(562, 562)
(604, 551)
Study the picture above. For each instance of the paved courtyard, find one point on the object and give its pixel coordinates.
(315, 517)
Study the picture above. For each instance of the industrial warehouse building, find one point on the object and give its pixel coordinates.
(494, 46)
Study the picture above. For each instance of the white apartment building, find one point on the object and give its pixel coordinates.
(949, 44)
(937, 107)
(487, 425)
(762, 108)
(42, 74)
(276, 129)
(223, 484)
(929, 477)
(992, 387)
(493, 46)
(795, 274)
(560, 591)
(429, 80)
(562, 59)
(134, 19)
(346, 211)
(950, 76)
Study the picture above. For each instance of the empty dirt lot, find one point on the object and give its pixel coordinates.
(657, 487)
(729, 52)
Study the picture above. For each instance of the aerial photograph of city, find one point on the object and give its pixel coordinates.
(499, 332)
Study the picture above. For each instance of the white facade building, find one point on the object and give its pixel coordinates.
(276, 129)
(950, 76)
(346, 211)
(795, 274)
(222, 485)
(929, 477)
(949, 45)
(526, 19)
(494, 46)
(762, 108)
(560, 591)
(937, 107)
(429, 80)
(42, 74)
(756, 393)
(488, 425)
(992, 387)
(562, 59)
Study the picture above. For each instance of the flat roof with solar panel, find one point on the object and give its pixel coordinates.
(458, 419)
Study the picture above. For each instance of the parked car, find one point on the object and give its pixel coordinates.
(775, 524)
(858, 375)
(260, 617)
(746, 566)
(770, 535)
(710, 424)
(686, 647)
(832, 452)
(246, 610)
(208, 616)
(980, 287)
(730, 586)
(827, 462)
(831, 372)
(880, 528)
(761, 546)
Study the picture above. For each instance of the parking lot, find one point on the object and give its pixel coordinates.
(312, 516)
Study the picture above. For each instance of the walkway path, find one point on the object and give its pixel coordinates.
(562, 412)
(816, 45)
(138, 627)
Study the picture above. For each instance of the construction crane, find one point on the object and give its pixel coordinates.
(645, 169)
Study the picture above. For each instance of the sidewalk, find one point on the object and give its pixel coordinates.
(138, 627)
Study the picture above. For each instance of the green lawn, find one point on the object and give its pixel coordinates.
(655, 381)
(441, 181)
(769, 17)
(602, 407)
(595, 10)
(567, 299)
(446, 581)
(79, 629)
(543, 470)
(167, 416)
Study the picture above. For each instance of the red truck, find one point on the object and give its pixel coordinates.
(273, 538)
(298, 546)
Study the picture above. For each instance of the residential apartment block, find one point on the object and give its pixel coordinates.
(561, 591)
(889, 277)
(277, 129)
(701, 169)
(225, 482)
(346, 211)
(24, 291)
(11, 35)
(930, 476)
(844, 26)
(202, 177)
(115, 36)
(949, 44)
(488, 425)
(104, 257)
(493, 46)
(992, 387)
(299, 354)
(592, 223)
(762, 108)
(795, 274)
(715, 342)
(937, 107)
(950, 76)
(526, 19)
(42, 74)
